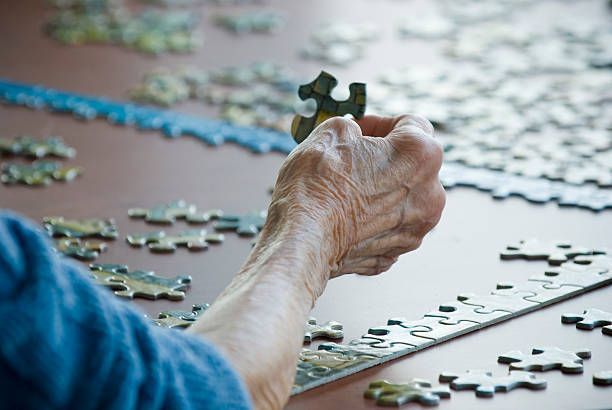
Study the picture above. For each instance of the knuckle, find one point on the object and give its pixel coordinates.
(418, 121)
(342, 126)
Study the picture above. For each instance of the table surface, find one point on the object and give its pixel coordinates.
(126, 168)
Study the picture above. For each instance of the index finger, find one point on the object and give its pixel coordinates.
(378, 126)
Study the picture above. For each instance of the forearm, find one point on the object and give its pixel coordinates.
(258, 321)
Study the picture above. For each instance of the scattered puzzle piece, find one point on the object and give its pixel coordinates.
(329, 330)
(546, 358)
(420, 391)
(603, 378)
(194, 240)
(490, 303)
(590, 319)
(180, 318)
(320, 90)
(246, 225)
(80, 249)
(38, 173)
(80, 228)
(485, 384)
(37, 148)
(131, 284)
(169, 213)
(554, 252)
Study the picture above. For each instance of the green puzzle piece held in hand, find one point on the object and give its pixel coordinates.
(320, 90)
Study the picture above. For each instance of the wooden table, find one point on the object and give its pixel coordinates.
(126, 168)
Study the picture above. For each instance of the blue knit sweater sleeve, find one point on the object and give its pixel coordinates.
(68, 343)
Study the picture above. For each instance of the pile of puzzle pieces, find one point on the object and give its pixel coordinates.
(40, 172)
(573, 270)
(110, 22)
(531, 102)
(260, 94)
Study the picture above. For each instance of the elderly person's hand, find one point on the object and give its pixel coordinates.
(350, 199)
(370, 189)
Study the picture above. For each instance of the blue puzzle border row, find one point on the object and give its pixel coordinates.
(171, 123)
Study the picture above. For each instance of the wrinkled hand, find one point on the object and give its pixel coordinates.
(369, 187)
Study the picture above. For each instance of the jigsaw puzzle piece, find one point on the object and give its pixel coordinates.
(590, 319)
(452, 313)
(83, 250)
(547, 358)
(554, 252)
(329, 330)
(603, 378)
(415, 391)
(491, 303)
(319, 365)
(245, 225)
(541, 294)
(430, 327)
(80, 228)
(486, 385)
(37, 148)
(357, 348)
(170, 212)
(396, 334)
(320, 90)
(194, 240)
(39, 173)
(583, 272)
(131, 284)
(180, 318)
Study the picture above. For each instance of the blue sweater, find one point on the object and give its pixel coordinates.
(67, 343)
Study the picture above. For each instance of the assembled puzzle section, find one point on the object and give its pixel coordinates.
(168, 213)
(470, 312)
(485, 384)
(160, 241)
(180, 318)
(131, 284)
(543, 359)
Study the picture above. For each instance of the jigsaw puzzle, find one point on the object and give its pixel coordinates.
(486, 385)
(316, 367)
(546, 358)
(180, 318)
(329, 330)
(86, 250)
(245, 225)
(170, 212)
(554, 252)
(539, 292)
(320, 90)
(80, 228)
(131, 284)
(452, 313)
(495, 302)
(415, 391)
(603, 378)
(590, 319)
(582, 275)
(39, 173)
(260, 21)
(36, 148)
(427, 327)
(194, 240)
